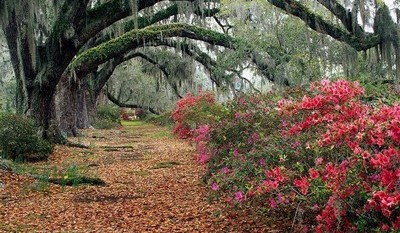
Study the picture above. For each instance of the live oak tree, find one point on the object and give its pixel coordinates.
(44, 37)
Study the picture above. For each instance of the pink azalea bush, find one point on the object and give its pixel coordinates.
(192, 111)
(325, 149)
(364, 185)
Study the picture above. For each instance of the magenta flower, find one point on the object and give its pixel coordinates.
(237, 115)
(272, 203)
(262, 162)
(225, 170)
(318, 161)
(214, 186)
(236, 152)
(239, 196)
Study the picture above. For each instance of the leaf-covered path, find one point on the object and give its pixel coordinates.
(153, 185)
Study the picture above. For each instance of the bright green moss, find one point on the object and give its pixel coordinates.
(95, 56)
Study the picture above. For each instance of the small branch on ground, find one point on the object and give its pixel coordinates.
(5, 167)
(77, 145)
(77, 181)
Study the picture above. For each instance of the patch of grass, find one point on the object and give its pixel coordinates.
(133, 123)
(33, 216)
(147, 156)
(40, 185)
(77, 180)
(111, 149)
(165, 133)
(21, 228)
(72, 175)
(105, 124)
(167, 164)
(33, 169)
(87, 153)
(116, 148)
(141, 173)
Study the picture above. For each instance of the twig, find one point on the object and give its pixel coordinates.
(5, 167)
(77, 145)
(295, 215)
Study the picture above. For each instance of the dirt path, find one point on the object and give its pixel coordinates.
(153, 185)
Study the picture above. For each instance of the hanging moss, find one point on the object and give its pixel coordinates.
(388, 32)
(105, 10)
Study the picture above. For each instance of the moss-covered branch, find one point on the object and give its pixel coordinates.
(195, 53)
(61, 42)
(90, 59)
(340, 12)
(317, 23)
(103, 75)
(144, 21)
(108, 13)
(124, 105)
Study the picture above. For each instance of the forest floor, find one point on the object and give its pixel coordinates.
(153, 184)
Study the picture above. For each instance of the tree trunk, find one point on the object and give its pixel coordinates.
(82, 112)
(43, 112)
(88, 94)
(66, 105)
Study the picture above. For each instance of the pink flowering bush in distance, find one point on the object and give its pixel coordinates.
(194, 110)
(323, 150)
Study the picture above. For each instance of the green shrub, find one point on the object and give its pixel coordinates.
(108, 117)
(108, 112)
(141, 114)
(105, 124)
(163, 119)
(19, 140)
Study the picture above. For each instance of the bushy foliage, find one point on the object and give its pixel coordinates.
(141, 114)
(107, 117)
(325, 150)
(364, 184)
(163, 119)
(105, 124)
(195, 110)
(124, 115)
(19, 140)
(108, 112)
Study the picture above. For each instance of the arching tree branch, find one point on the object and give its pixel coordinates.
(359, 42)
(110, 12)
(159, 66)
(101, 77)
(123, 105)
(90, 59)
(144, 21)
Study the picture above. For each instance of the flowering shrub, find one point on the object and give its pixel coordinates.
(364, 185)
(330, 153)
(194, 110)
(124, 115)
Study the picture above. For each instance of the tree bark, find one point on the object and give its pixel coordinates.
(66, 103)
(82, 112)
